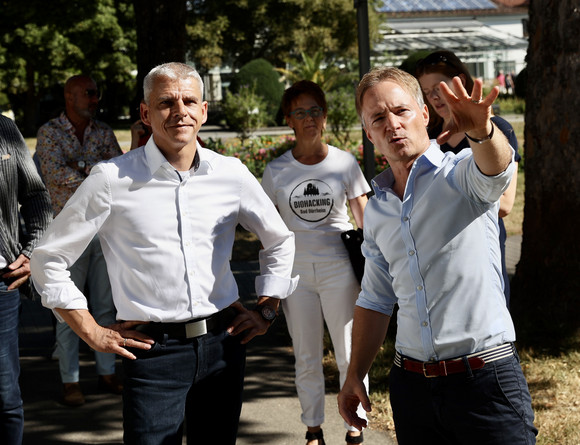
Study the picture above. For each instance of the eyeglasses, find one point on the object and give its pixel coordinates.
(300, 113)
(92, 93)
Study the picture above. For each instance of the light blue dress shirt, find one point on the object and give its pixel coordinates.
(436, 254)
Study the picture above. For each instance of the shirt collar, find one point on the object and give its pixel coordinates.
(155, 159)
(66, 123)
(384, 181)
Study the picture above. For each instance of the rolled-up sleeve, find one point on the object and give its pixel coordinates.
(259, 215)
(376, 288)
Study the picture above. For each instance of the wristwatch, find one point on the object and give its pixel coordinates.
(268, 313)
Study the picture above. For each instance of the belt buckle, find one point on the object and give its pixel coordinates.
(195, 329)
(439, 364)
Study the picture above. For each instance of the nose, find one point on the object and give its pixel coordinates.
(179, 109)
(433, 94)
(392, 122)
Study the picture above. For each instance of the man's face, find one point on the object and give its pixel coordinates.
(175, 112)
(84, 98)
(394, 122)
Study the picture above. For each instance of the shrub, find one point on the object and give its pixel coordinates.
(245, 111)
(262, 73)
(342, 115)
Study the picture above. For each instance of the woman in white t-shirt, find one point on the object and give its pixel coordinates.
(311, 185)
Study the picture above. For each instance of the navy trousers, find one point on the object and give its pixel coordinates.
(196, 382)
(11, 411)
(491, 405)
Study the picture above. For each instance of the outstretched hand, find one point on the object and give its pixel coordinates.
(468, 113)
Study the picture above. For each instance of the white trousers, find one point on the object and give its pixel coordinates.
(327, 292)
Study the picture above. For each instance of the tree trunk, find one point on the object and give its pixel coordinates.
(546, 287)
(161, 36)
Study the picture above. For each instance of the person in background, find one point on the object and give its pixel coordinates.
(431, 247)
(22, 194)
(443, 66)
(166, 214)
(311, 185)
(68, 147)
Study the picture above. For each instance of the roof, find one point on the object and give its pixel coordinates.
(453, 33)
(398, 6)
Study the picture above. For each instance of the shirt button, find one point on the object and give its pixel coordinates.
(411, 252)
(425, 324)
(406, 218)
(419, 287)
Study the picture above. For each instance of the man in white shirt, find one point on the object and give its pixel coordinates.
(431, 247)
(166, 215)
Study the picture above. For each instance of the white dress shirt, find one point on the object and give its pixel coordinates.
(167, 237)
(436, 254)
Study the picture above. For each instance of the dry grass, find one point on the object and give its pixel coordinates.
(555, 387)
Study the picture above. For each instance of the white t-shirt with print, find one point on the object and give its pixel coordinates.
(312, 200)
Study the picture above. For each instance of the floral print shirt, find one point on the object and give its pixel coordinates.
(60, 152)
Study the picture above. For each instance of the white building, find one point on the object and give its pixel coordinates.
(487, 35)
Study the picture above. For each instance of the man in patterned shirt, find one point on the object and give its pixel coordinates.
(68, 147)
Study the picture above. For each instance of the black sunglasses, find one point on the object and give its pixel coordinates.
(92, 92)
(433, 59)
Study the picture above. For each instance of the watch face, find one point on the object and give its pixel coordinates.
(81, 164)
(268, 313)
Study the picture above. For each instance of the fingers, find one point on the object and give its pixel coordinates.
(249, 322)
(347, 408)
(18, 282)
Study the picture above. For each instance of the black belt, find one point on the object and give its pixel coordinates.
(443, 368)
(192, 328)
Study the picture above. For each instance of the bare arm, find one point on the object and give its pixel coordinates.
(471, 115)
(506, 202)
(357, 207)
(368, 334)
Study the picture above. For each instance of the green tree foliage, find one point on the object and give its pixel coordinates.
(238, 31)
(261, 73)
(43, 43)
(313, 69)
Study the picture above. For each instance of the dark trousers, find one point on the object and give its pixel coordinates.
(11, 412)
(491, 405)
(199, 380)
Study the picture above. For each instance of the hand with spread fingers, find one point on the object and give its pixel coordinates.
(469, 114)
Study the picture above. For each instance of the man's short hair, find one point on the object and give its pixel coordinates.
(172, 70)
(383, 74)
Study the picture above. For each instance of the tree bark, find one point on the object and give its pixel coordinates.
(546, 286)
(161, 36)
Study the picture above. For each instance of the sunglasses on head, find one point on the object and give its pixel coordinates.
(433, 59)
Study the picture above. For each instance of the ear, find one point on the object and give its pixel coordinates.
(463, 79)
(144, 112)
(204, 108)
(287, 119)
(368, 135)
(425, 115)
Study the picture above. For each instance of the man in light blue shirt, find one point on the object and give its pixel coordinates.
(431, 247)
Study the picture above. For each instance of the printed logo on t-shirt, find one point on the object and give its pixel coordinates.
(311, 200)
